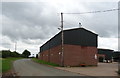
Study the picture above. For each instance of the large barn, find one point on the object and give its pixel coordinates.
(80, 47)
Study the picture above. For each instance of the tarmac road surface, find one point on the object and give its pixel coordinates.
(26, 67)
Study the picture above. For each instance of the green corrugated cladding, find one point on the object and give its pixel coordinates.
(78, 36)
(108, 53)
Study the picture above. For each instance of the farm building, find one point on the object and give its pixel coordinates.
(116, 56)
(106, 55)
(80, 47)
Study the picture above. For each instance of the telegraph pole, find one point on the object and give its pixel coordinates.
(15, 46)
(62, 41)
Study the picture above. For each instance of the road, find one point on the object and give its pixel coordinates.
(103, 69)
(26, 67)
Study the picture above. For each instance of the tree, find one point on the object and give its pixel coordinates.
(36, 55)
(6, 53)
(26, 53)
(14, 54)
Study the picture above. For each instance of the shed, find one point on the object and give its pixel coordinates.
(116, 56)
(107, 52)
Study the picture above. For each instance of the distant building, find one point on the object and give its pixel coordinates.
(80, 47)
(116, 56)
(106, 55)
(101, 57)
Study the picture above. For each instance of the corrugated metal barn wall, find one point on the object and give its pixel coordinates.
(55, 41)
(81, 37)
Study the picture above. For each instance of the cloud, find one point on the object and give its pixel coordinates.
(6, 43)
(109, 43)
(20, 20)
(27, 20)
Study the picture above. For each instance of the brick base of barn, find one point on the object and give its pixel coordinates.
(74, 55)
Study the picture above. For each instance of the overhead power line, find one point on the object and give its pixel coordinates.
(95, 11)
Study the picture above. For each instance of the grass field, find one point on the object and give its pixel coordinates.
(6, 64)
(44, 62)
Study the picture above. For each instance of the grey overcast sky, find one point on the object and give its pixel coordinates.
(31, 24)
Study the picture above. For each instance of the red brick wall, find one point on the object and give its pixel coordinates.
(52, 55)
(44, 55)
(74, 55)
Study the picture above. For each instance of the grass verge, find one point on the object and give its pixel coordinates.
(44, 62)
(6, 64)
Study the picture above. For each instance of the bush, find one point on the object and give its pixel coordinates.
(14, 54)
(8, 53)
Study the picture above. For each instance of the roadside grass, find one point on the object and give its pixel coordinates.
(44, 62)
(7, 63)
